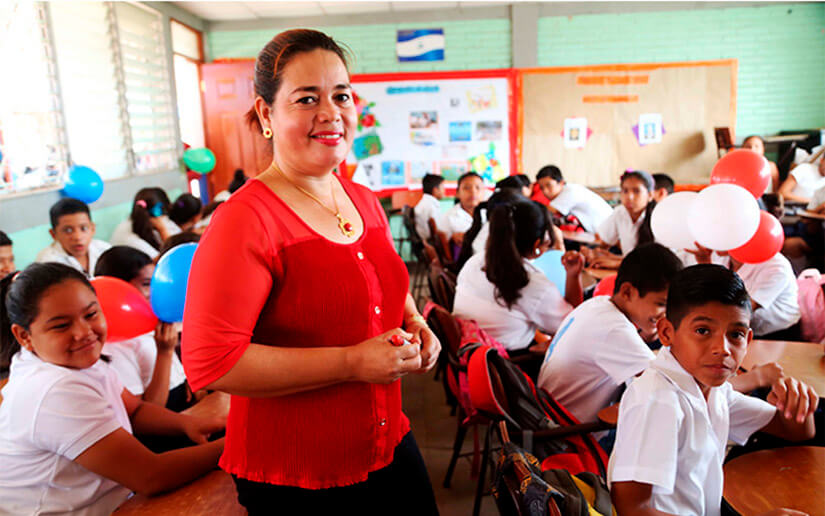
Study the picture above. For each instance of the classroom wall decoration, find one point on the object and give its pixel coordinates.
(655, 117)
(413, 124)
(420, 45)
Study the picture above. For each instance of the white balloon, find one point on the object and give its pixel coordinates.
(723, 217)
(669, 221)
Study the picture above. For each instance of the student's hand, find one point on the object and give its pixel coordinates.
(166, 336)
(573, 263)
(768, 374)
(702, 254)
(608, 261)
(377, 361)
(784, 512)
(198, 429)
(430, 345)
(794, 400)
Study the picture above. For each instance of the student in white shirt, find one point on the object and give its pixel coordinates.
(66, 423)
(503, 292)
(755, 143)
(803, 181)
(148, 225)
(572, 199)
(186, 211)
(675, 420)
(629, 224)
(475, 239)
(663, 186)
(73, 232)
(147, 365)
(429, 207)
(6, 255)
(458, 219)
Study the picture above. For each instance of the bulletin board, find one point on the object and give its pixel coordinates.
(594, 122)
(446, 123)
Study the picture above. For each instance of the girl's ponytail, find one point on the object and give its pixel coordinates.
(645, 234)
(503, 262)
(148, 203)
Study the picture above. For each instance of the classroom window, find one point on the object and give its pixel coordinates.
(33, 154)
(186, 45)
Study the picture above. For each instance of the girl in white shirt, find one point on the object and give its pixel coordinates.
(148, 226)
(629, 224)
(147, 365)
(458, 219)
(66, 423)
(507, 296)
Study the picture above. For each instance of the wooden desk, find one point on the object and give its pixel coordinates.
(579, 236)
(811, 215)
(802, 360)
(609, 415)
(792, 478)
(600, 274)
(214, 404)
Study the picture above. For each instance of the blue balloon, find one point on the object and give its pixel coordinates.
(550, 264)
(1, 156)
(169, 282)
(83, 184)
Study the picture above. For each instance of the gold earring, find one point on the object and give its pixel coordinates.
(267, 133)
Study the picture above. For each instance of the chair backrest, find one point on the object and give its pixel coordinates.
(439, 240)
(408, 218)
(442, 286)
(405, 198)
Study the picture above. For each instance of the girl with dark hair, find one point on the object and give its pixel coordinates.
(295, 303)
(148, 225)
(756, 143)
(66, 421)
(186, 211)
(458, 219)
(629, 224)
(503, 292)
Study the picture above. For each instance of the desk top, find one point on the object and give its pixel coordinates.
(600, 274)
(610, 414)
(791, 478)
(212, 494)
(802, 360)
(811, 215)
(581, 237)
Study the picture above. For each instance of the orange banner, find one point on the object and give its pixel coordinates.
(611, 80)
(609, 99)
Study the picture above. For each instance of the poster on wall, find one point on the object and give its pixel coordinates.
(575, 132)
(649, 130)
(409, 128)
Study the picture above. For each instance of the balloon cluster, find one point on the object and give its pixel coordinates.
(724, 216)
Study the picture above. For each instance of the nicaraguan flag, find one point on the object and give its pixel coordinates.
(420, 45)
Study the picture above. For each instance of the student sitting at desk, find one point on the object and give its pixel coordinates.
(663, 186)
(803, 181)
(572, 199)
(675, 420)
(458, 219)
(429, 207)
(757, 144)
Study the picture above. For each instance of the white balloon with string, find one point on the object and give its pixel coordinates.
(723, 217)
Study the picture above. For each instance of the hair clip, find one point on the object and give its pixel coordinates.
(141, 203)
(14, 278)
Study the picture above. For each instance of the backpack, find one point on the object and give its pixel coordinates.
(811, 298)
(500, 388)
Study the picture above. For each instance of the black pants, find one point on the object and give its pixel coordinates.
(402, 488)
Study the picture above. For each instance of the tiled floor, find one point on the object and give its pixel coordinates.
(434, 429)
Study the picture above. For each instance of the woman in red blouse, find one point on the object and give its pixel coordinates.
(295, 306)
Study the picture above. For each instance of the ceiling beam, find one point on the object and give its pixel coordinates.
(182, 15)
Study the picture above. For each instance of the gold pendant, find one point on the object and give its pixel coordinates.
(345, 226)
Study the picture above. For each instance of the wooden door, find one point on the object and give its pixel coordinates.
(228, 94)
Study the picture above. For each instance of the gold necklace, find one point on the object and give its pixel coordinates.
(343, 224)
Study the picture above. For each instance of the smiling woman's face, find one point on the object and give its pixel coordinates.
(313, 116)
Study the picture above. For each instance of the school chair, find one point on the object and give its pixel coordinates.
(439, 240)
(419, 251)
(442, 285)
(724, 142)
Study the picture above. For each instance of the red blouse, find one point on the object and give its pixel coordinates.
(261, 275)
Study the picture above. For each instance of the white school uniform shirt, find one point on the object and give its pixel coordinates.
(427, 208)
(668, 436)
(540, 307)
(49, 416)
(134, 362)
(584, 203)
(456, 220)
(808, 179)
(620, 228)
(773, 285)
(596, 350)
(816, 200)
(56, 253)
(480, 243)
(123, 235)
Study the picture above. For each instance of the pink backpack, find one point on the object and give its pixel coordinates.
(812, 305)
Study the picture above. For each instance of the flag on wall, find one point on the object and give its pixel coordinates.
(420, 45)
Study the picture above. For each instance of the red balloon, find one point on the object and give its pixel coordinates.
(765, 243)
(128, 314)
(605, 286)
(745, 168)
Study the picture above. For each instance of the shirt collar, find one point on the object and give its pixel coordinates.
(670, 368)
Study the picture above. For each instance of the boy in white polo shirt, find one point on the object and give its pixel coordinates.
(73, 232)
(572, 199)
(429, 207)
(675, 420)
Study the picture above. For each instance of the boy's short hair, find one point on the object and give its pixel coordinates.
(173, 241)
(67, 206)
(517, 181)
(551, 171)
(663, 181)
(431, 182)
(4, 239)
(121, 261)
(702, 284)
(648, 268)
(468, 175)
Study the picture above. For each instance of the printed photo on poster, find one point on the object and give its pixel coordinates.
(367, 145)
(488, 130)
(575, 132)
(461, 131)
(650, 128)
(452, 170)
(419, 169)
(481, 99)
(392, 173)
(424, 127)
(455, 152)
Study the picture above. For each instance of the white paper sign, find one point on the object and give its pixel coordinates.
(650, 128)
(575, 132)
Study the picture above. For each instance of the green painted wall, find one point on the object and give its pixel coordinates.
(780, 48)
(28, 242)
(475, 44)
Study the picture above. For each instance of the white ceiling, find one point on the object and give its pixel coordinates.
(226, 11)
